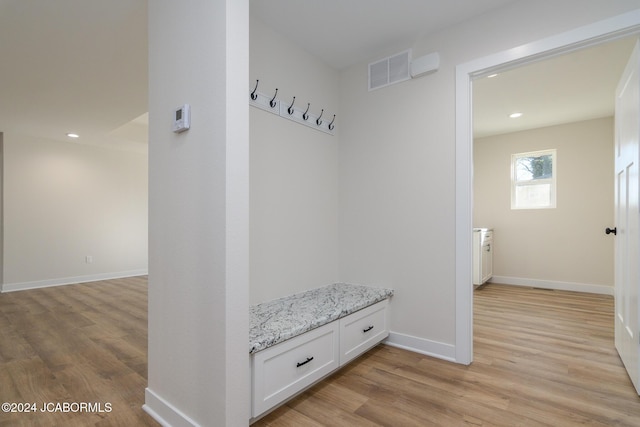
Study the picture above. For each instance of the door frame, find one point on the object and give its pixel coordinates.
(590, 35)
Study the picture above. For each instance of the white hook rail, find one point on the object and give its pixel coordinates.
(273, 105)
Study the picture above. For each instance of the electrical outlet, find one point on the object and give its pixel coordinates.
(88, 259)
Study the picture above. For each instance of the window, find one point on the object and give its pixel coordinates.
(533, 180)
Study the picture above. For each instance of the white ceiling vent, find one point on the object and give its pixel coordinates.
(387, 71)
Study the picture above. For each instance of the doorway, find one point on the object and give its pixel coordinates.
(589, 35)
(572, 116)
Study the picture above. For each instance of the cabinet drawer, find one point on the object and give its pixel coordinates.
(362, 330)
(286, 368)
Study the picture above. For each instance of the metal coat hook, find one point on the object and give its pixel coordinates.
(318, 121)
(254, 95)
(272, 103)
(290, 109)
(331, 126)
(305, 116)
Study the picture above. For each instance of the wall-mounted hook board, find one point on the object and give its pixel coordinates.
(311, 119)
(262, 101)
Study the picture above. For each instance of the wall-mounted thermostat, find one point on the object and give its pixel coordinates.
(182, 119)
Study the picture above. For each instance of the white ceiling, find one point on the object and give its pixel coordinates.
(345, 32)
(74, 66)
(81, 66)
(568, 88)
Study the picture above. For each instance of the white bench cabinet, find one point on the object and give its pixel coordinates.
(281, 371)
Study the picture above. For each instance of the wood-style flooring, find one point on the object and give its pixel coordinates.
(540, 358)
(73, 344)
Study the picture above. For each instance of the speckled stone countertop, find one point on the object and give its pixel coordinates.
(276, 321)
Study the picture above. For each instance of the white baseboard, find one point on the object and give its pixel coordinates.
(423, 346)
(12, 287)
(163, 412)
(551, 284)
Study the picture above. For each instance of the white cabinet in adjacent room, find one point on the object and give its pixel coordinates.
(482, 255)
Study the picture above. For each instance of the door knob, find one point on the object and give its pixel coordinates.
(613, 230)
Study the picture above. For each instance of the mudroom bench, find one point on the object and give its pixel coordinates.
(297, 340)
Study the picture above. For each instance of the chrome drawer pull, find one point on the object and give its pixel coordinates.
(368, 329)
(309, 359)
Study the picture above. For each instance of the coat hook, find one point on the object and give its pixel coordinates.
(331, 126)
(254, 95)
(272, 103)
(318, 121)
(305, 116)
(290, 109)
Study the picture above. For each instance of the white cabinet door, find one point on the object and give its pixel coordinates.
(477, 257)
(281, 371)
(362, 330)
(487, 259)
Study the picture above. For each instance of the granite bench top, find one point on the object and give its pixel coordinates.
(273, 322)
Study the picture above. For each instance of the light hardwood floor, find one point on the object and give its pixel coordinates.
(541, 358)
(76, 343)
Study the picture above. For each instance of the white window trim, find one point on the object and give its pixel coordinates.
(552, 180)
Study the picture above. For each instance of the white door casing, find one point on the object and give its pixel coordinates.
(627, 216)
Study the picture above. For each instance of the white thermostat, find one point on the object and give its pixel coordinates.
(182, 118)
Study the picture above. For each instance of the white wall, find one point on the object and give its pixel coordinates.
(198, 361)
(65, 201)
(201, 370)
(566, 244)
(397, 166)
(294, 172)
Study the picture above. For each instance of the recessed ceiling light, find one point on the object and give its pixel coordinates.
(515, 115)
(73, 135)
